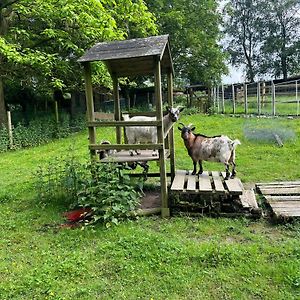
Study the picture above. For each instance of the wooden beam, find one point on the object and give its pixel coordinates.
(171, 132)
(117, 106)
(165, 211)
(126, 147)
(89, 102)
(123, 123)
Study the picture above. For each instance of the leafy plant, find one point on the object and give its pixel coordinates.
(109, 192)
(102, 187)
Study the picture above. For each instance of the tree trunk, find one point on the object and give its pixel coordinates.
(3, 116)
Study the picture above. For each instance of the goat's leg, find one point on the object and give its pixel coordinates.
(227, 171)
(233, 173)
(201, 168)
(195, 168)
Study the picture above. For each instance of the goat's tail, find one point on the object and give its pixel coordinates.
(126, 117)
(235, 143)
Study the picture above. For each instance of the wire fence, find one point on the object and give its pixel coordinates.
(260, 98)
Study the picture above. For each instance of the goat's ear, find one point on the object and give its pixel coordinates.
(181, 109)
(167, 108)
(193, 128)
(179, 128)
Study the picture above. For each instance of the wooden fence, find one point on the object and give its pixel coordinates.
(260, 98)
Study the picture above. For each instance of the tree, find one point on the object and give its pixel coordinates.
(193, 27)
(41, 40)
(264, 36)
(241, 26)
(280, 38)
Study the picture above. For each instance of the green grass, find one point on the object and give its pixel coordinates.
(152, 258)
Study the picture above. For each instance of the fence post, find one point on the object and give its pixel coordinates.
(245, 98)
(258, 99)
(9, 127)
(297, 98)
(218, 98)
(233, 99)
(223, 100)
(56, 112)
(273, 99)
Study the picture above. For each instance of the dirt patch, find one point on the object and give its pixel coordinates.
(151, 199)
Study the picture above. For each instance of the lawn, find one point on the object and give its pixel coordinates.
(151, 258)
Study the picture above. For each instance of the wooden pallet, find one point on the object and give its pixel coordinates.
(282, 197)
(212, 182)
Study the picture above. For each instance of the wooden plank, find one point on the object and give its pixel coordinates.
(123, 123)
(234, 186)
(191, 183)
(178, 182)
(283, 210)
(286, 205)
(219, 187)
(270, 198)
(288, 185)
(126, 147)
(204, 182)
(277, 183)
(248, 199)
(280, 191)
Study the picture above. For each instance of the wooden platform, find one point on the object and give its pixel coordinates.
(211, 182)
(124, 156)
(282, 197)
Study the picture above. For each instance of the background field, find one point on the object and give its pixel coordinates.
(152, 258)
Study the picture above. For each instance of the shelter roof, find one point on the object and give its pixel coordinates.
(132, 57)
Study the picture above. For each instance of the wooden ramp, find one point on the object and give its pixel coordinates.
(282, 197)
(212, 182)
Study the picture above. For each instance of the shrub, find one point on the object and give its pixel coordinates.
(102, 187)
(4, 139)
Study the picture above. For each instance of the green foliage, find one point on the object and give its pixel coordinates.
(102, 187)
(4, 139)
(40, 131)
(194, 33)
(109, 193)
(262, 36)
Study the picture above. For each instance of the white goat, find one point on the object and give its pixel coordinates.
(148, 134)
(216, 148)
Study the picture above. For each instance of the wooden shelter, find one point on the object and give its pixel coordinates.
(142, 56)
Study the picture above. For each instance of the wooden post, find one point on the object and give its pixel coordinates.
(10, 132)
(56, 112)
(297, 100)
(258, 99)
(218, 99)
(233, 100)
(214, 98)
(171, 132)
(165, 211)
(117, 107)
(223, 100)
(89, 104)
(273, 99)
(246, 98)
(263, 93)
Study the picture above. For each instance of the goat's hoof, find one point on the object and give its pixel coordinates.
(194, 173)
(200, 172)
(232, 176)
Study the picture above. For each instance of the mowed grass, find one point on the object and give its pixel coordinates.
(152, 258)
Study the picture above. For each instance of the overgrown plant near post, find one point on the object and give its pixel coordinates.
(104, 188)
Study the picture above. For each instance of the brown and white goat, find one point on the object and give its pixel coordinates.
(216, 148)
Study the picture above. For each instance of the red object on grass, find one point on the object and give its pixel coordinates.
(78, 214)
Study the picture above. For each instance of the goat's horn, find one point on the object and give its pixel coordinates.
(182, 124)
